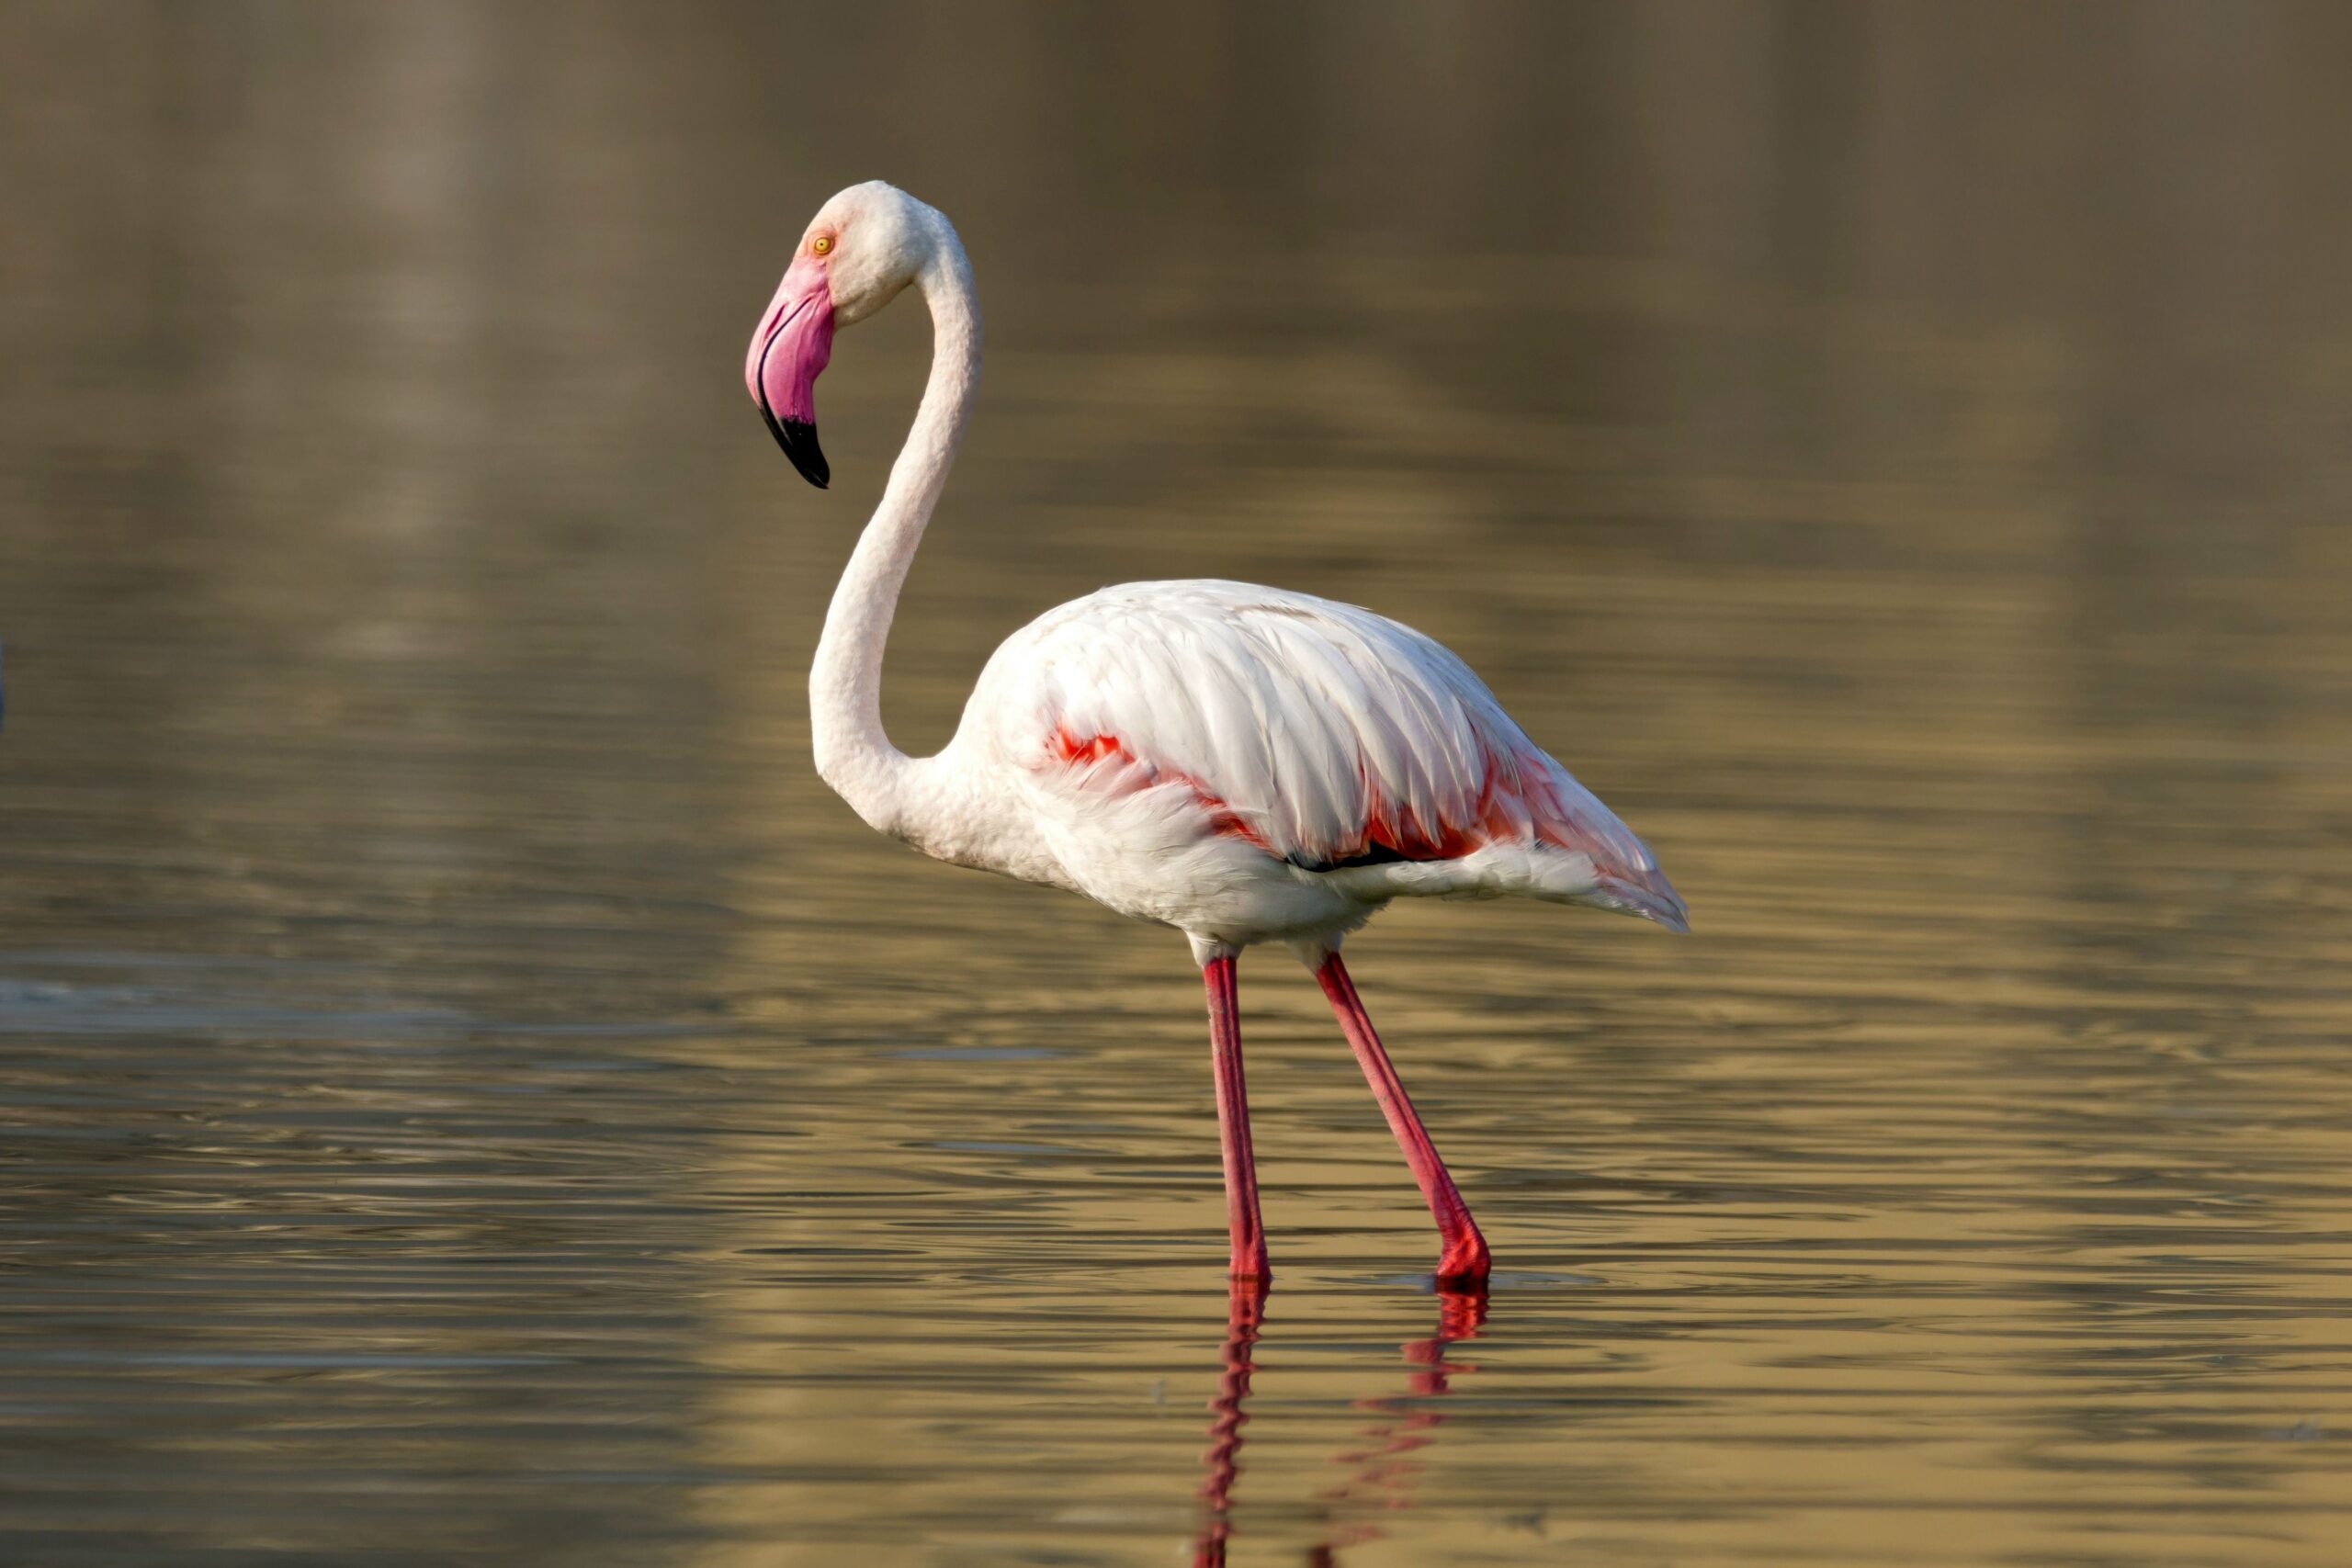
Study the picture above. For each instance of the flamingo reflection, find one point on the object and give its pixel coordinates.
(1380, 1469)
(1245, 1314)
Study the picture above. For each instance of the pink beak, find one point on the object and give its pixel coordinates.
(789, 352)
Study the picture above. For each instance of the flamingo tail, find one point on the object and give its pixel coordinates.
(1525, 870)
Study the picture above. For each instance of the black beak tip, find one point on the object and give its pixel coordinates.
(799, 439)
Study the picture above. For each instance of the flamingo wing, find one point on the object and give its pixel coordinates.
(1321, 733)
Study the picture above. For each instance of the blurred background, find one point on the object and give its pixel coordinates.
(467, 1094)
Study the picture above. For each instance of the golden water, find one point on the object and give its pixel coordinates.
(472, 1096)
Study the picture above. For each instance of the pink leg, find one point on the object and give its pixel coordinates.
(1243, 1224)
(1465, 1257)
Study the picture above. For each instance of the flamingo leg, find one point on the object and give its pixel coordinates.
(1464, 1259)
(1247, 1231)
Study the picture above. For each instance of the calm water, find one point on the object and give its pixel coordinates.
(467, 1094)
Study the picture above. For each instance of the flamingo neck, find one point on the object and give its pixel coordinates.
(853, 753)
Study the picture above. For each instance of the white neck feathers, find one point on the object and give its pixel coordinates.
(853, 753)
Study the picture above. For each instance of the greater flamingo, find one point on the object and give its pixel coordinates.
(1241, 763)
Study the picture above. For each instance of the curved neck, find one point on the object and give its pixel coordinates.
(846, 683)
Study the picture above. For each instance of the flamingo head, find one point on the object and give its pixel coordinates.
(863, 246)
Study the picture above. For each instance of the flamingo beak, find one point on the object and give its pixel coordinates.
(789, 352)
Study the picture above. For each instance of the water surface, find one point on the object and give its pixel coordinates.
(469, 1095)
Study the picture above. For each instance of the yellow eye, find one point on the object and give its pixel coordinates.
(822, 244)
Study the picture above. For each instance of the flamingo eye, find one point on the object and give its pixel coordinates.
(822, 244)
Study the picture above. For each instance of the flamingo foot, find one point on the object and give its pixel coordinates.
(1465, 1262)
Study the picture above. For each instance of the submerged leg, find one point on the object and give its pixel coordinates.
(1465, 1257)
(1243, 1224)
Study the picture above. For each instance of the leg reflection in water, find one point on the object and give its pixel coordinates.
(1245, 1314)
(1380, 1470)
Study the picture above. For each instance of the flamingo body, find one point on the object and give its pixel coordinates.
(1242, 763)
(1248, 764)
